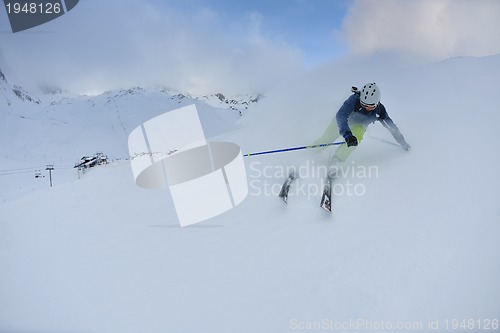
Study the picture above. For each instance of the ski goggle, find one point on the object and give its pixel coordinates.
(369, 107)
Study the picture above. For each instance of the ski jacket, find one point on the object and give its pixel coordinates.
(352, 113)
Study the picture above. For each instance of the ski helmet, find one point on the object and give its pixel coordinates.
(370, 94)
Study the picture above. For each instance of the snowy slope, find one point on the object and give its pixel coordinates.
(64, 127)
(418, 247)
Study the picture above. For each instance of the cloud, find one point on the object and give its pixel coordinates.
(435, 29)
(103, 45)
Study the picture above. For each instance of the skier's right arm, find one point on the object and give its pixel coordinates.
(339, 124)
(343, 116)
(344, 113)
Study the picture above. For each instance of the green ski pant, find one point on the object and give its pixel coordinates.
(332, 132)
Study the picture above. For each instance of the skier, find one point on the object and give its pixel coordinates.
(360, 110)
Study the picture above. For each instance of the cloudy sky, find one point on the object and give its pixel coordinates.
(235, 46)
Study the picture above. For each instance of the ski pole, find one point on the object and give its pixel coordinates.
(294, 148)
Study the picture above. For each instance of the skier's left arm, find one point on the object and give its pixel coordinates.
(387, 122)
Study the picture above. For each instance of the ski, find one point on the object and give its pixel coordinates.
(286, 186)
(326, 198)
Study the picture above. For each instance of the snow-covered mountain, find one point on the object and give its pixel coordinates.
(59, 128)
(13, 94)
(412, 244)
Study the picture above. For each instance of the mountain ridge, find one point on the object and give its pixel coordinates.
(12, 93)
(53, 96)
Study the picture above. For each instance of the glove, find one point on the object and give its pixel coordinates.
(350, 139)
(406, 146)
